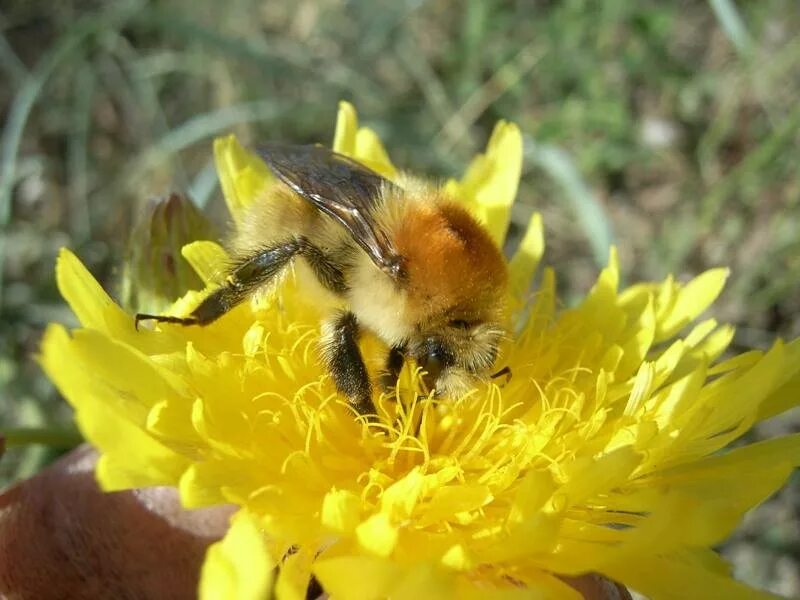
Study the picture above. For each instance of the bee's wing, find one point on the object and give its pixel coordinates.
(340, 187)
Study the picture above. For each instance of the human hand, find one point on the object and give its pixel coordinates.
(61, 537)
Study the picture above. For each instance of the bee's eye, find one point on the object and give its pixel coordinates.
(459, 324)
(436, 358)
(433, 366)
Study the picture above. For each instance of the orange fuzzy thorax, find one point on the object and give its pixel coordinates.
(453, 268)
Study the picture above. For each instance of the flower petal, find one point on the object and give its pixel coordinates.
(787, 392)
(680, 577)
(357, 577)
(526, 259)
(107, 416)
(377, 535)
(344, 137)
(94, 308)
(341, 511)
(691, 300)
(208, 259)
(490, 183)
(239, 567)
(361, 143)
(242, 175)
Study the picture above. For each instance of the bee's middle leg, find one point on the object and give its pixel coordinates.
(345, 363)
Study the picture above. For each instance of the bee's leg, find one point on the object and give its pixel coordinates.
(326, 270)
(344, 361)
(394, 364)
(248, 275)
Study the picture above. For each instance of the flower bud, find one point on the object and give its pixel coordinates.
(155, 272)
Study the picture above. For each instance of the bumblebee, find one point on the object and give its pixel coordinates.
(410, 263)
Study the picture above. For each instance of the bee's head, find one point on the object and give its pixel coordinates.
(456, 353)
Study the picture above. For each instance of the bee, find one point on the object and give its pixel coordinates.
(410, 264)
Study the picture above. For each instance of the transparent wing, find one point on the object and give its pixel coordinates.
(341, 188)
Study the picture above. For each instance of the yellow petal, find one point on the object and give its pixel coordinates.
(210, 482)
(370, 151)
(449, 500)
(457, 558)
(640, 333)
(536, 536)
(94, 308)
(208, 259)
(679, 577)
(344, 138)
(698, 504)
(357, 577)
(341, 510)
(242, 175)
(675, 398)
(691, 300)
(490, 183)
(239, 567)
(526, 259)
(642, 386)
(111, 405)
(171, 419)
(532, 492)
(731, 401)
(399, 500)
(361, 143)
(424, 580)
(536, 584)
(294, 575)
(377, 535)
(786, 395)
(593, 475)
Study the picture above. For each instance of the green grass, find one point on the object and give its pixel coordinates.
(667, 128)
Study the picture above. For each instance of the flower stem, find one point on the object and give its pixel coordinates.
(54, 437)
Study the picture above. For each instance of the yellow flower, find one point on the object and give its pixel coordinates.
(600, 454)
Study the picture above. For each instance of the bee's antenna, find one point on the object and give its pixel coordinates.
(504, 371)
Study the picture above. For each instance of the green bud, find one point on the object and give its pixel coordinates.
(155, 273)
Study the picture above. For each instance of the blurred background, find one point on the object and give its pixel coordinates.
(667, 127)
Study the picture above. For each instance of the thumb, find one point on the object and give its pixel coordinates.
(61, 537)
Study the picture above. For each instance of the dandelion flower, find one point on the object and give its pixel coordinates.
(605, 452)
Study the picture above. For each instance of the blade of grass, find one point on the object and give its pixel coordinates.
(22, 105)
(198, 128)
(587, 209)
(258, 51)
(419, 67)
(54, 437)
(11, 63)
(732, 24)
(502, 80)
(756, 159)
(77, 155)
(204, 184)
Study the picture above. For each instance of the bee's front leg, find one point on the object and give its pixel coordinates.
(394, 364)
(345, 363)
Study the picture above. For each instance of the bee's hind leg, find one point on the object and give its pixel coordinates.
(246, 276)
(343, 358)
(162, 319)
